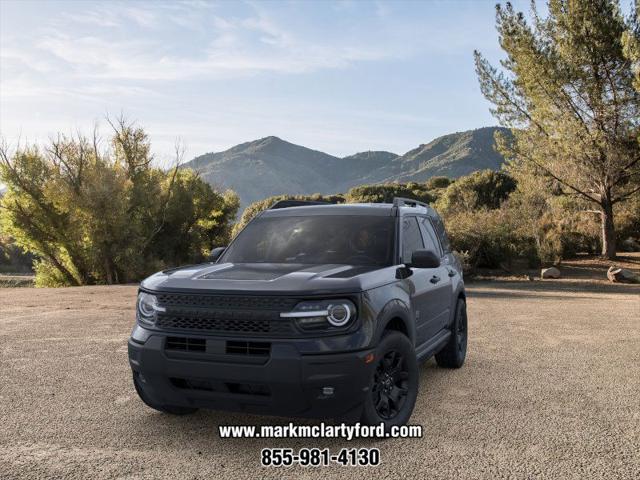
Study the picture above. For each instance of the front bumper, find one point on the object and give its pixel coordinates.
(286, 382)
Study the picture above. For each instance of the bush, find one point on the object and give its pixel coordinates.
(384, 193)
(435, 183)
(489, 239)
(92, 216)
(482, 189)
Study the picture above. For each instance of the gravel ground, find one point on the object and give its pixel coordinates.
(550, 389)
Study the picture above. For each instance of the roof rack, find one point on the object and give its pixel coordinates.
(408, 202)
(297, 203)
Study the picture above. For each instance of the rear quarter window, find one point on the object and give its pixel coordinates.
(438, 225)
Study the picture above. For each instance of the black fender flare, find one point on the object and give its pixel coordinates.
(459, 294)
(395, 309)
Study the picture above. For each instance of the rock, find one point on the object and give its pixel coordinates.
(551, 272)
(621, 275)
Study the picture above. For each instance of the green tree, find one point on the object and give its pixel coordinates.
(93, 215)
(567, 91)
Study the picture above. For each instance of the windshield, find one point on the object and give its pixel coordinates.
(317, 239)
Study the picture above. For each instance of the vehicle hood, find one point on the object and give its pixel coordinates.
(271, 278)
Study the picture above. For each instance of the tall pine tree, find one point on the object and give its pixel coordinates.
(566, 88)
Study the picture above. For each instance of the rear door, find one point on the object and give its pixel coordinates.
(440, 304)
(420, 285)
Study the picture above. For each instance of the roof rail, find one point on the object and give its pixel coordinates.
(297, 203)
(408, 202)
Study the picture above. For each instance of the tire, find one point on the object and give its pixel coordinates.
(393, 386)
(455, 352)
(170, 409)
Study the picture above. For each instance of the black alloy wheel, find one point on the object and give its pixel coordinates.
(390, 385)
(394, 379)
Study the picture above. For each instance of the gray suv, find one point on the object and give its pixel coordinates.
(315, 310)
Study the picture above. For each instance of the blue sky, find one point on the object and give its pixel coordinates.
(340, 76)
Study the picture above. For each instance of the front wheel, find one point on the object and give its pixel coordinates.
(455, 352)
(394, 383)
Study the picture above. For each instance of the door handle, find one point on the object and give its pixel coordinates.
(435, 279)
(452, 273)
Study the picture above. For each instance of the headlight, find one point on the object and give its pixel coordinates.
(339, 315)
(323, 314)
(147, 309)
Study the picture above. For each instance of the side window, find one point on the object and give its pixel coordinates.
(442, 234)
(429, 236)
(411, 238)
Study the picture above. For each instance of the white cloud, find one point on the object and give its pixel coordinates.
(249, 45)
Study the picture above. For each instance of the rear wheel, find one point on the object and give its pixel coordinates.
(455, 352)
(394, 383)
(170, 409)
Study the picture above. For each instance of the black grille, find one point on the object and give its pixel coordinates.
(186, 344)
(230, 315)
(227, 302)
(233, 326)
(249, 348)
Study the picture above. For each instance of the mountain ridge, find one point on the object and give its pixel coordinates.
(271, 166)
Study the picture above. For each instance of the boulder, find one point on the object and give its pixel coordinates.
(621, 275)
(551, 272)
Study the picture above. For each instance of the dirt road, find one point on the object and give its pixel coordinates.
(550, 389)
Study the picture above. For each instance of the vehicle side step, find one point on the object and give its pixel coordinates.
(429, 349)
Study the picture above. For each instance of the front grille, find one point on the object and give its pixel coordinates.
(227, 302)
(248, 348)
(279, 327)
(226, 315)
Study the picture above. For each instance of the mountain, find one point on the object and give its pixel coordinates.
(453, 156)
(272, 166)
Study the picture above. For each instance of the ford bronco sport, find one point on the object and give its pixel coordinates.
(314, 310)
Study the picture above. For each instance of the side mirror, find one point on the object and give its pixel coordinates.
(424, 259)
(215, 254)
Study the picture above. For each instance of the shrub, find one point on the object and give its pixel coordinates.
(482, 189)
(92, 216)
(384, 193)
(435, 183)
(489, 238)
